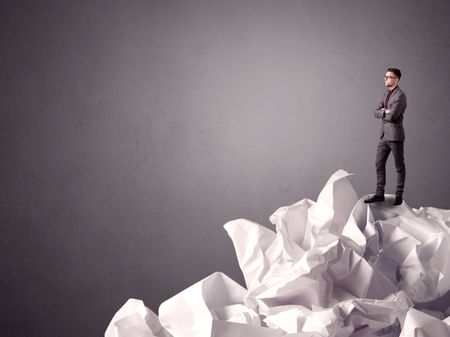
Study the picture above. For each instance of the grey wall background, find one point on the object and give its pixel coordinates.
(131, 131)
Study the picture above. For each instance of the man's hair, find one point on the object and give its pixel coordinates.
(396, 71)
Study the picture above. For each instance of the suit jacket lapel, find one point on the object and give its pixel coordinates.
(394, 93)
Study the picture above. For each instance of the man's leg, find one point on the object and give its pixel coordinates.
(398, 151)
(383, 151)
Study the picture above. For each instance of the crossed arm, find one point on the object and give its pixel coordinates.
(394, 112)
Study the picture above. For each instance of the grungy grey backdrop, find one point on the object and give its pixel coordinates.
(132, 130)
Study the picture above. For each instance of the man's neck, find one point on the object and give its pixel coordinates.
(392, 88)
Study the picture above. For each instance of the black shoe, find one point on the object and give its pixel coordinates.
(398, 200)
(375, 198)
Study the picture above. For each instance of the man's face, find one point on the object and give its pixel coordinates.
(390, 80)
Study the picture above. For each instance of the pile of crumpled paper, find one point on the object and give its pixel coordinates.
(333, 268)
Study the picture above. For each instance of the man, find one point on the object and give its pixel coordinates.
(392, 136)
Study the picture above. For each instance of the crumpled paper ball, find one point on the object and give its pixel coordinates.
(336, 267)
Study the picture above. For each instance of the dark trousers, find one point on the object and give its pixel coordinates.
(384, 149)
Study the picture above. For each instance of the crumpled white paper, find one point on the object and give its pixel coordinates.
(134, 319)
(217, 297)
(332, 268)
(419, 324)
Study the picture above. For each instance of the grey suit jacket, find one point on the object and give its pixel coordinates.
(392, 123)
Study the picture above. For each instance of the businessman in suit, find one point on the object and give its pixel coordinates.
(392, 137)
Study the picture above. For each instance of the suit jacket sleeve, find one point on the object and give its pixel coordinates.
(378, 113)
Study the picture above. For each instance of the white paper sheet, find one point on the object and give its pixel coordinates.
(419, 324)
(192, 311)
(134, 319)
(336, 267)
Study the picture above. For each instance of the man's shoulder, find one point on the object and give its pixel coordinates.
(400, 91)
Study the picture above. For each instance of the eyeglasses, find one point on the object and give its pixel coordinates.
(386, 77)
